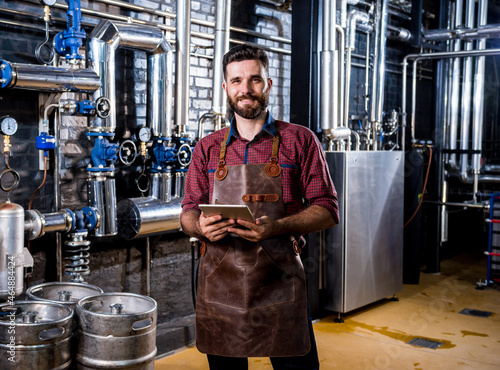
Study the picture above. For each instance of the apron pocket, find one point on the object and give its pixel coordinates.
(263, 284)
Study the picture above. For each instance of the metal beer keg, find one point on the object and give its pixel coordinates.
(116, 330)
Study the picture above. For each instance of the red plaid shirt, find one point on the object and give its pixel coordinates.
(305, 174)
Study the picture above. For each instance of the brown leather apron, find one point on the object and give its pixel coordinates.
(251, 298)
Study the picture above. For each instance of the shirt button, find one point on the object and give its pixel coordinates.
(249, 145)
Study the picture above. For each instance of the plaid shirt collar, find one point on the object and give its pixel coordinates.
(269, 127)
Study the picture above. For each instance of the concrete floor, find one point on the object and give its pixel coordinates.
(376, 336)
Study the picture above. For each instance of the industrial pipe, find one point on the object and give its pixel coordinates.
(328, 69)
(147, 216)
(378, 85)
(466, 97)
(106, 38)
(47, 78)
(182, 65)
(436, 55)
(353, 18)
(221, 46)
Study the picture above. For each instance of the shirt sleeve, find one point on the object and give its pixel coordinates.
(316, 182)
(196, 190)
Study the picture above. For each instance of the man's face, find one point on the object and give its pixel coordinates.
(247, 87)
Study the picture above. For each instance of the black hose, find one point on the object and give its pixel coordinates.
(45, 43)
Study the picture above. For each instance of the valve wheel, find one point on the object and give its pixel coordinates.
(184, 155)
(127, 152)
(103, 107)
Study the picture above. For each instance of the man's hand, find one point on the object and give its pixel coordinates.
(263, 228)
(214, 227)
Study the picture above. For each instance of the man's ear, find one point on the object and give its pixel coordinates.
(224, 86)
(269, 83)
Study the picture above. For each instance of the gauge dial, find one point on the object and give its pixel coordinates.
(145, 134)
(48, 2)
(8, 125)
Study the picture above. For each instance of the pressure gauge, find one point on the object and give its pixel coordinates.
(8, 126)
(144, 134)
(48, 2)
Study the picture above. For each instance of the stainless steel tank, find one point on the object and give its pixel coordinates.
(35, 335)
(12, 258)
(117, 330)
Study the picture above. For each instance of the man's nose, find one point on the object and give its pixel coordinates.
(246, 88)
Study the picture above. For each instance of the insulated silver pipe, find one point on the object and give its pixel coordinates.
(221, 46)
(106, 38)
(160, 73)
(47, 78)
(466, 96)
(455, 92)
(328, 69)
(353, 18)
(481, 32)
(182, 64)
(378, 80)
(437, 55)
(478, 99)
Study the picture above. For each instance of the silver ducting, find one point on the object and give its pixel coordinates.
(102, 196)
(353, 18)
(378, 79)
(47, 78)
(466, 97)
(221, 46)
(328, 69)
(36, 224)
(147, 216)
(182, 64)
(161, 186)
(106, 38)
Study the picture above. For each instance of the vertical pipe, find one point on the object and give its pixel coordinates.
(455, 92)
(182, 64)
(103, 62)
(478, 104)
(380, 25)
(160, 93)
(413, 100)
(341, 73)
(328, 66)
(466, 96)
(221, 46)
(57, 190)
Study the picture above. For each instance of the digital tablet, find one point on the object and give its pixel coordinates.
(241, 212)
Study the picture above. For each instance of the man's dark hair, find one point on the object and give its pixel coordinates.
(243, 52)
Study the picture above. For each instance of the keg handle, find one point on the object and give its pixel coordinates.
(92, 305)
(50, 334)
(142, 324)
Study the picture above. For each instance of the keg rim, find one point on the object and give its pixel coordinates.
(62, 320)
(30, 294)
(79, 305)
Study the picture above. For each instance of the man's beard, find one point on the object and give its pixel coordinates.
(249, 112)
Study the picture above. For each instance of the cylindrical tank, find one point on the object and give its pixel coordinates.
(35, 335)
(117, 330)
(147, 216)
(11, 250)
